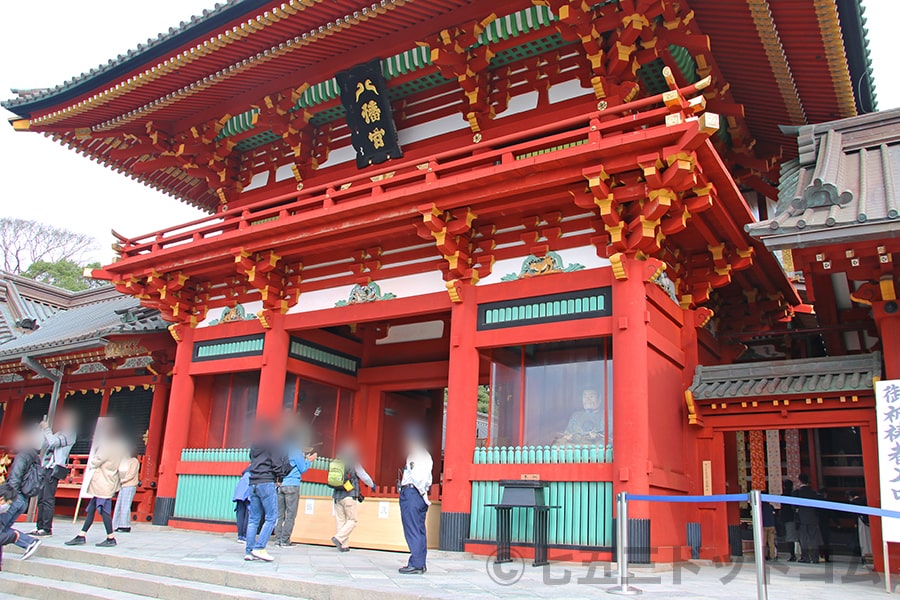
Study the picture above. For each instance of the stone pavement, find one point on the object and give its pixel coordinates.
(322, 572)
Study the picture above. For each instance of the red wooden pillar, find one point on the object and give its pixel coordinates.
(889, 332)
(462, 413)
(12, 415)
(158, 407)
(273, 374)
(177, 426)
(150, 466)
(631, 418)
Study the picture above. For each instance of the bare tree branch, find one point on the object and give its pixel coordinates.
(23, 242)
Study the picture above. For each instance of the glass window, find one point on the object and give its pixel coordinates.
(326, 407)
(233, 409)
(558, 393)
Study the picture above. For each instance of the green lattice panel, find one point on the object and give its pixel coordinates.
(584, 518)
(539, 455)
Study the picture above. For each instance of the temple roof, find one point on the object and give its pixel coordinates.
(786, 62)
(842, 187)
(804, 376)
(153, 49)
(37, 319)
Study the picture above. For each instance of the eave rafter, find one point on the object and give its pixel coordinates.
(467, 251)
(457, 55)
(277, 113)
(197, 152)
(277, 282)
(175, 295)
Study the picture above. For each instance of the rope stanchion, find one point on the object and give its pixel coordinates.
(759, 545)
(622, 588)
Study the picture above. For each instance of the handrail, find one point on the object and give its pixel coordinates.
(505, 147)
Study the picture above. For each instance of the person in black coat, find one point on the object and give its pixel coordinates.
(808, 523)
(787, 517)
(26, 447)
(8, 535)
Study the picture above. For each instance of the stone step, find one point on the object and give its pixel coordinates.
(253, 577)
(15, 585)
(128, 581)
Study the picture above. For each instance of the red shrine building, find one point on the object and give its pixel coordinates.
(593, 244)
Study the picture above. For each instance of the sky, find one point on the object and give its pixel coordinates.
(47, 182)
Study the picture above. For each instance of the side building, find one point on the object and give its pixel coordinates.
(102, 354)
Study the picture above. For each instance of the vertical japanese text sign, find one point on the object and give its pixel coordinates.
(887, 406)
(364, 95)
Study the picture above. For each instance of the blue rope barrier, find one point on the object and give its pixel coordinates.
(792, 500)
(666, 498)
(841, 506)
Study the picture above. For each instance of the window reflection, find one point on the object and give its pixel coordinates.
(326, 407)
(233, 409)
(552, 394)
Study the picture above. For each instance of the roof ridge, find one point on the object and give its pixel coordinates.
(220, 14)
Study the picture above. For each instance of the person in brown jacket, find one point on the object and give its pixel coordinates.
(105, 459)
(129, 471)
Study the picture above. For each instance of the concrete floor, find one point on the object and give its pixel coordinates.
(307, 571)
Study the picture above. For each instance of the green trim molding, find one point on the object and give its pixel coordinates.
(538, 455)
(551, 308)
(323, 357)
(248, 345)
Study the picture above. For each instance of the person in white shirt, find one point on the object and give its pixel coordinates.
(414, 485)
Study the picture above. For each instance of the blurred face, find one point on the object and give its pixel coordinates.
(4, 505)
(590, 400)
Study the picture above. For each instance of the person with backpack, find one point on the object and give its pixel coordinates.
(8, 535)
(344, 474)
(105, 460)
(25, 474)
(57, 447)
(268, 464)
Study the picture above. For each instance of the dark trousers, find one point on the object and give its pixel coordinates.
(241, 515)
(288, 503)
(810, 539)
(102, 506)
(412, 514)
(46, 503)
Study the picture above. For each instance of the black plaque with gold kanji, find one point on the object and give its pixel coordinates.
(364, 95)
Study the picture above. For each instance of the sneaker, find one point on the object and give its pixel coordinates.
(78, 540)
(40, 533)
(31, 549)
(249, 557)
(408, 570)
(107, 543)
(123, 530)
(262, 554)
(241, 540)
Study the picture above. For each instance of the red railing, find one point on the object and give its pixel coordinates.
(504, 150)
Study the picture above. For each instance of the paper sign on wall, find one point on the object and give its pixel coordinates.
(310, 506)
(887, 408)
(384, 510)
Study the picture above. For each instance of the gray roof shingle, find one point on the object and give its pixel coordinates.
(85, 323)
(809, 376)
(844, 184)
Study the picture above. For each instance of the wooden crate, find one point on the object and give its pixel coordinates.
(379, 526)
